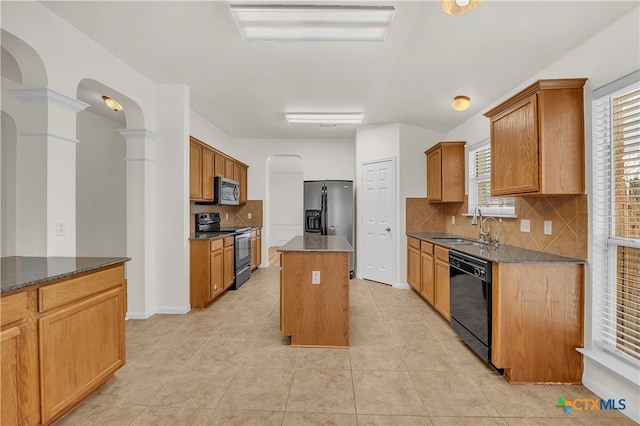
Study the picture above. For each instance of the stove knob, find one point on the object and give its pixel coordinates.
(477, 271)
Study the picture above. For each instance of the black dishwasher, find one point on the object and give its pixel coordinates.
(470, 292)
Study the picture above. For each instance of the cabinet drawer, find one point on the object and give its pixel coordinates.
(55, 295)
(426, 247)
(442, 254)
(413, 242)
(216, 244)
(14, 307)
(229, 241)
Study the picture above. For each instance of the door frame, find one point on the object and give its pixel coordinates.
(360, 221)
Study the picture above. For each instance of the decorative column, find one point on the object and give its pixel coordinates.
(141, 221)
(46, 172)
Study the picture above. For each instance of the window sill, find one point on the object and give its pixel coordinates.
(499, 216)
(614, 364)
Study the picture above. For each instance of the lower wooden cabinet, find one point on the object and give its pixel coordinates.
(207, 274)
(228, 258)
(428, 273)
(258, 247)
(60, 341)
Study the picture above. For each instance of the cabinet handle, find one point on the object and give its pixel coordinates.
(388, 229)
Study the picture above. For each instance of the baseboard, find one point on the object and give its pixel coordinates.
(402, 286)
(592, 380)
(137, 315)
(173, 310)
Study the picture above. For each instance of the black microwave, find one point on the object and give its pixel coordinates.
(226, 191)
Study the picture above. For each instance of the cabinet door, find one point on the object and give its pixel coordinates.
(243, 185)
(208, 159)
(442, 297)
(218, 165)
(228, 168)
(228, 266)
(195, 171)
(515, 150)
(11, 400)
(217, 274)
(434, 175)
(71, 367)
(427, 286)
(254, 250)
(413, 268)
(258, 250)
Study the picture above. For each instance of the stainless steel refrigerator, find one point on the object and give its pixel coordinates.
(328, 210)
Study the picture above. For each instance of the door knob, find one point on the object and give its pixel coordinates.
(388, 229)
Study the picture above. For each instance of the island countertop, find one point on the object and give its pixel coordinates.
(21, 271)
(317, 243)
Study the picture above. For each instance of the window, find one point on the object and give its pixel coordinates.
(616, 218)
(480, 184)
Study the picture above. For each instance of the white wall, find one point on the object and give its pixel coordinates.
(286, 208)
(609, 55)
(101, 187)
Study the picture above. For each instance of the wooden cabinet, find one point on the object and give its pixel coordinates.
(442, 295)
(254, 249)
(427, 283)
(445, 172)
(228, 264)
(258, 246)
(195, 171)
(20, 397)
(428, 273)
(413, 263)
(538, 321)
(537, 140)
(205, 163)
(206, 271)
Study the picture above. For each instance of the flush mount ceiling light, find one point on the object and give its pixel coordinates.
(458, 7)
(313, 23)
(324, 118)
(461, 103)
(112, 103)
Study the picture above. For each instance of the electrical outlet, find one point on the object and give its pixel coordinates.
(547, 227)
(249, 215)
(453, 220)
(226, 216)
(315, 277)
(525, 225)
(60, 228)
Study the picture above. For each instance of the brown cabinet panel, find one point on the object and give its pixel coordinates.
(413, 268)
(228, 168)
(195, 171)
(442, 296)
(208, 165)
(88, 337)
(10, 379)
(445, 172)
(217, 274)
(427, 278)
(207, 271)
(254, 250)
(218, 168)
(537, 140)
(243, 185)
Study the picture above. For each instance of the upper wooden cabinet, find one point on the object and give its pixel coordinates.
(537, 140)
(445, 172)
(205, 163)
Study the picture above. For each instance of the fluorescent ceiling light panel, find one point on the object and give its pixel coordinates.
(313, 23)
(324, 118)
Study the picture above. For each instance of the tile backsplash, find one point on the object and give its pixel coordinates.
(567, 213)
(237, 215)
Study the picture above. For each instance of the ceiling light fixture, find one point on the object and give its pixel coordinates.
(458, 7)
(324, 118)
(313, 22)
(461, 103)
(112, 103)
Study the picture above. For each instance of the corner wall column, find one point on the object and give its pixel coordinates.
(141, 221)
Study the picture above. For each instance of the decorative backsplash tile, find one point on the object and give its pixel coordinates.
(237, 215)
(567, 213)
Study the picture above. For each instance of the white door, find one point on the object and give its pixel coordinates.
(378, 205)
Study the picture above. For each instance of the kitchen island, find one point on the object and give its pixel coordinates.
(314, 290)
(62, 333)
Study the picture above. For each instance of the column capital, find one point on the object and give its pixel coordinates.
(139, 134)
(46, 95)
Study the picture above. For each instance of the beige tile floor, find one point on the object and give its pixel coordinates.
(229, 365)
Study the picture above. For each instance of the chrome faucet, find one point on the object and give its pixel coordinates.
(484, 235)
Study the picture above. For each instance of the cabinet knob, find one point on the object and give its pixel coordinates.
(388, 229)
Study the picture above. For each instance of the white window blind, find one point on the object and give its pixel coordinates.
(480, 184)
(616, 221)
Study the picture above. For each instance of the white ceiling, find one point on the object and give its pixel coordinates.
(244, 88)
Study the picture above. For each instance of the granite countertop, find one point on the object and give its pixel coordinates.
(210, 235)
(20, 272)
(503, 253)
(317, 243)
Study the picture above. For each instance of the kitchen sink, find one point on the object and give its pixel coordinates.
(454, 240)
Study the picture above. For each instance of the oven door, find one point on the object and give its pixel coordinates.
(243, 249)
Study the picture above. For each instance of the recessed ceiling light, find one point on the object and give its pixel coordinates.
(461, 103)
(324, 118)
(458, 7)
(313, 22)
